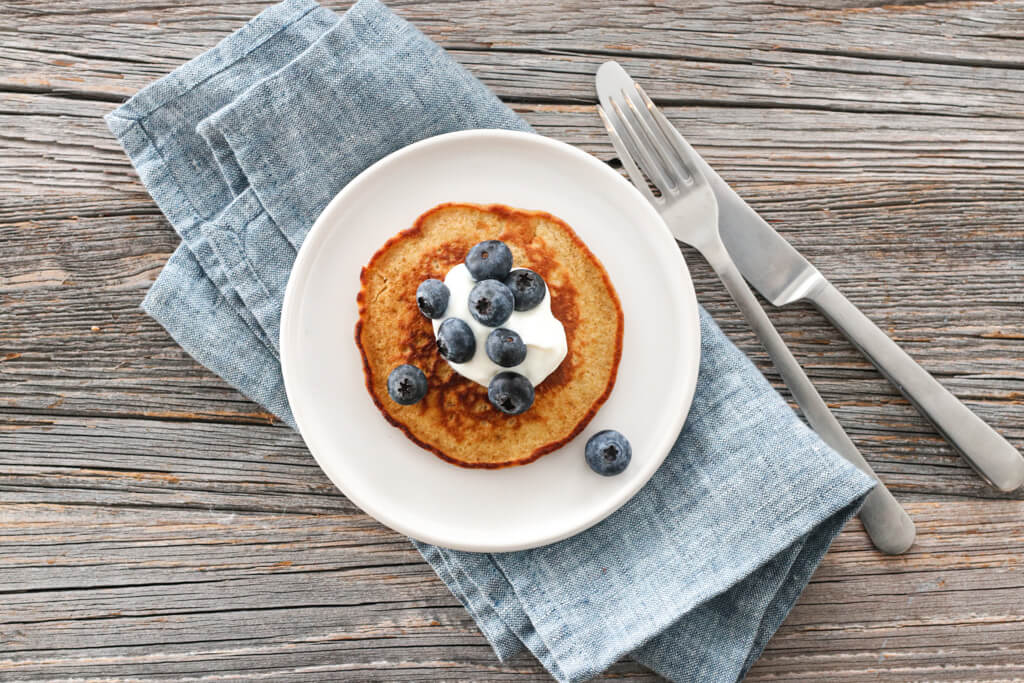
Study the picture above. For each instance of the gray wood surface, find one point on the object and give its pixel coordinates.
(156, 525)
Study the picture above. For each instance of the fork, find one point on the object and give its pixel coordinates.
(651, 148)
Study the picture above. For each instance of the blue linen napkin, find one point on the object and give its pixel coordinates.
(243, 146)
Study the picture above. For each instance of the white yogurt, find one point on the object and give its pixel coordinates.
(543, 334)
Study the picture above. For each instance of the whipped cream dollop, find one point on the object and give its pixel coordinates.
(543, 334)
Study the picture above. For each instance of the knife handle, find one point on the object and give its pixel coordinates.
(991, 456)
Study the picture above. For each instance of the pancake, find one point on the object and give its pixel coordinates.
(455, 421)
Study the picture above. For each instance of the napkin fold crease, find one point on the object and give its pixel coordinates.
(243, 147)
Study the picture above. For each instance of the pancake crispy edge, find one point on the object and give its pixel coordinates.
(445, 383)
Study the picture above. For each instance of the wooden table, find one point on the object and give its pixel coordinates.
(154, 524)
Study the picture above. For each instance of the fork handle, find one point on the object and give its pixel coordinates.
(991, 456)
(886, 522)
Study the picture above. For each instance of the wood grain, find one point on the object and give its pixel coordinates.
(154, 524)
(145, 591)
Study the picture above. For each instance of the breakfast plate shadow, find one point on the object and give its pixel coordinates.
(408, 488)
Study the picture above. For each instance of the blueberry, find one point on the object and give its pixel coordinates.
(455, 341)
(432, 298)
(490, 260)
(527, 287)
(510, 392)
(608, 452)
(407, 385)
(505, 347)
(490, 302)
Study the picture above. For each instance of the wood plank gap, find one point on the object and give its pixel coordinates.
(275, 572)
(908, 58)
(241, 419)
(232, 610)
(62, 93)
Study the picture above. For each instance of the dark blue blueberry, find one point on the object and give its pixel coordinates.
(407, 385)
(490, 260)
(505, 347)
(608, 452)
(510, 392)
(432, 298)
(455, 341)
(527, 287)
(490, 302)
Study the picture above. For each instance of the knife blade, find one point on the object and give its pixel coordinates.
(782, 275)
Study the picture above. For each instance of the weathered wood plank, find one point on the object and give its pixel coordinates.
(119, 462)
(144, 536)
(815, 56)
(186, 591)
(886, 611)
(249, 468)
(756, 32)
(161, 463)
(320, 596)
(59, 160)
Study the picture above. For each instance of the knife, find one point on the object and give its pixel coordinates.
(783, 276)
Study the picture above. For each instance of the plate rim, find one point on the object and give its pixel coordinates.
(289, 329)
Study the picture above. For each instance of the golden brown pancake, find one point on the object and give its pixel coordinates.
(455, 421)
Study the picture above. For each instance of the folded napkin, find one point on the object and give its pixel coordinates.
(243, 146)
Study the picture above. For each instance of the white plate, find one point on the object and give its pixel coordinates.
(408, 488)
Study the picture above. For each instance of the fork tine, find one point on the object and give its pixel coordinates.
(626, 157)
(641, 151)
(674, 171)
(686, 156)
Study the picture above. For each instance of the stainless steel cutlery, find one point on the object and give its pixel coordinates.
(651, 149)
(703, 211)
